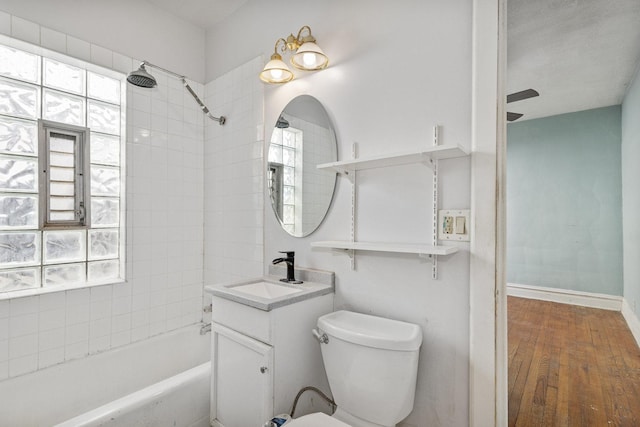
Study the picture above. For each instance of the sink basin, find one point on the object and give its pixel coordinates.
(266, 290)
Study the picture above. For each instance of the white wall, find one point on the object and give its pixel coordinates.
(130, 27)
(164, 217)
(395, 71)
(631, 196)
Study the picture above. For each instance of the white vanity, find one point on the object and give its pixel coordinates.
(262, 350)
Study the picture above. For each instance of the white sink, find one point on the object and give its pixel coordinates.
(266, 290)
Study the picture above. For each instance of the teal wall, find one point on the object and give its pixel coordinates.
(631, 194)
(564, 202)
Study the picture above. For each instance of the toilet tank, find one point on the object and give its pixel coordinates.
(371, 363)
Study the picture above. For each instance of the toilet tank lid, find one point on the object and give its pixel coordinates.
(371, 331)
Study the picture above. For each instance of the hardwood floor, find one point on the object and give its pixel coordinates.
(571, 366)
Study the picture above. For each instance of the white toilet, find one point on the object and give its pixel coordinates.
(371, 363)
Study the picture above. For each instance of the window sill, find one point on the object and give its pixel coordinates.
(51, 289)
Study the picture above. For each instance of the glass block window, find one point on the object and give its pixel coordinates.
(61, 171)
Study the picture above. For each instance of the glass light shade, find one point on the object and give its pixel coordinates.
(276, 71)
(309, 57)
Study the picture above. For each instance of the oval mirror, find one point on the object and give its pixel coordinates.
(302, 138)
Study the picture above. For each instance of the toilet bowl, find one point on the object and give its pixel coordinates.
(371, 364)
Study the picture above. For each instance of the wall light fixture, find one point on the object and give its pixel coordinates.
(308, 56)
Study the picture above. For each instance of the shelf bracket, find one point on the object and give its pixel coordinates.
(352, 178)
(434, 223)
(350, 175)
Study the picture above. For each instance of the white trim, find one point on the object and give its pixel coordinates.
(632, 320)
(487, 320)
(566, 296)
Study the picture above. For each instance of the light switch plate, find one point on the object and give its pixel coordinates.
(453, 224)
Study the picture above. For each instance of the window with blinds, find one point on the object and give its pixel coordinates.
(63, 174)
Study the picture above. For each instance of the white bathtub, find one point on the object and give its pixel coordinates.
(160, 381)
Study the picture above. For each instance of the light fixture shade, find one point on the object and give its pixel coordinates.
(309, 57)
(276, 71)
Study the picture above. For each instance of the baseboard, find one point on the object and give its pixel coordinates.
(564, 296)
(632, 320)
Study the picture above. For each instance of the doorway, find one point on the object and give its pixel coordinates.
(564, 178)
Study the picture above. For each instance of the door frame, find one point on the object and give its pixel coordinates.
(488, 370)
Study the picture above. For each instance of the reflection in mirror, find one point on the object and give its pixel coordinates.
(302, 138)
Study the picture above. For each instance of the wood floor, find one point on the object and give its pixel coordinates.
(571, 366)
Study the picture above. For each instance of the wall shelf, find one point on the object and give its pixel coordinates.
(424, 156)
(408, 248)
(428, 157)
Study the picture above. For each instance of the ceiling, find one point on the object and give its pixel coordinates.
(578, 54)
(203, 13)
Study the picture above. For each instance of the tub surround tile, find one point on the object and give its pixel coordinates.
(99, 344)
(27, 305)
(122, 63)
(99, 328)
(101, 293)
(53, 40)
(78, 48)
(78, 314)
(76, 351)
(4, 350)
(22, 346)
(52, 301)
(140, 333)
(23, 324)
(4, 328)
(121, 323)
(5, 23)
(50, 339)
(50, 357)
(121, 338)
(25, 30)
(101, 56)
(23, 365)
(52, 319)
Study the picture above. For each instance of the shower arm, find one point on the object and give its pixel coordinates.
(221, 120)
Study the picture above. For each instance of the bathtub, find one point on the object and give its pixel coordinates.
(160, 381)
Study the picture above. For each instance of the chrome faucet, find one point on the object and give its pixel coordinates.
(290, 258)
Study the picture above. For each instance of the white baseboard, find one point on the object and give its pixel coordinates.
(564, 296)
(632, 320)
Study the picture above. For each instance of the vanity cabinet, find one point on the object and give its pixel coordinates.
(262, 358)
(243, 370)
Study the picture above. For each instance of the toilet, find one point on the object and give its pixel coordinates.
(371, 363)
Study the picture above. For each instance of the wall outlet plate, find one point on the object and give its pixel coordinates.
(453, 224)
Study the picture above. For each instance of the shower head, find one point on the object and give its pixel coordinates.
(141, 78)
(282, 123)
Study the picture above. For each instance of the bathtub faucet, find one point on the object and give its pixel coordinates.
(290, 259)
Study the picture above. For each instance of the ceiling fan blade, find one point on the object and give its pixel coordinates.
(513, 116)
(523, 94)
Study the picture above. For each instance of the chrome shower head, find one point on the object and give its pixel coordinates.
(282, 123)
(141, 78)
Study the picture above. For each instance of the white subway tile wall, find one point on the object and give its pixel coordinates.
(165, 208)
(234, 176)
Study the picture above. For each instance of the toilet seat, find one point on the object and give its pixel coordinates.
(317, 419)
